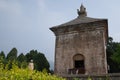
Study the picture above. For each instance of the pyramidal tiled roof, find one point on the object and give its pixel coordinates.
(82, 18)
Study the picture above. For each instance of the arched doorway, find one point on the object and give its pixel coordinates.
(79, 65)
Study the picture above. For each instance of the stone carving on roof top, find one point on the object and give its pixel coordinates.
(82, 11)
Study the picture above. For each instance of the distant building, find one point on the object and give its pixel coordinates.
(81, 45)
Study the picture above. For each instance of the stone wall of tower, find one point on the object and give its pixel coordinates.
(87, 39)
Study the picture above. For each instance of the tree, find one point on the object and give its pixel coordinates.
(112, 48)
(2, 54)
(39, 60)
(12, 55)
(2, 57)
(116, 56)
(21, 59)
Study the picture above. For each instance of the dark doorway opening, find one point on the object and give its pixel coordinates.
(79, 63)
(79, 66)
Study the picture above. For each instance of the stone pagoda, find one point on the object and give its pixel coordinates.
(81, 45)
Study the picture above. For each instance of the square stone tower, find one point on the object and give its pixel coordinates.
(81, 45)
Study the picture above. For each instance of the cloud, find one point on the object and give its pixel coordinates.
(16, 15)
(41, 4)
(116, 36)
(10, 7)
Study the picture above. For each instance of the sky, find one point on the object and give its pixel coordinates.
(24, 24)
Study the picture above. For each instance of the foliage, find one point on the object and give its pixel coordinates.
(2, 54)
(21, 58)
(113, 55)
(16, 73)
(12, 55)
(116, 55)
(39, 60)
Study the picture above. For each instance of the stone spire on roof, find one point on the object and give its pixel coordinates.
(82, 12)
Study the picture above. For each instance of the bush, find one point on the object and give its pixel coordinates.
(16, 73)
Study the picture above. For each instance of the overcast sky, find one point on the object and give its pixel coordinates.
(25, 24)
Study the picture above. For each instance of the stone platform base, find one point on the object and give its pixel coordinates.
(112, 76)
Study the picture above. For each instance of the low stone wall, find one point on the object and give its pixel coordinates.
(113, 76)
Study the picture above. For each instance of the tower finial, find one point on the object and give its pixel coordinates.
(82, 11)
